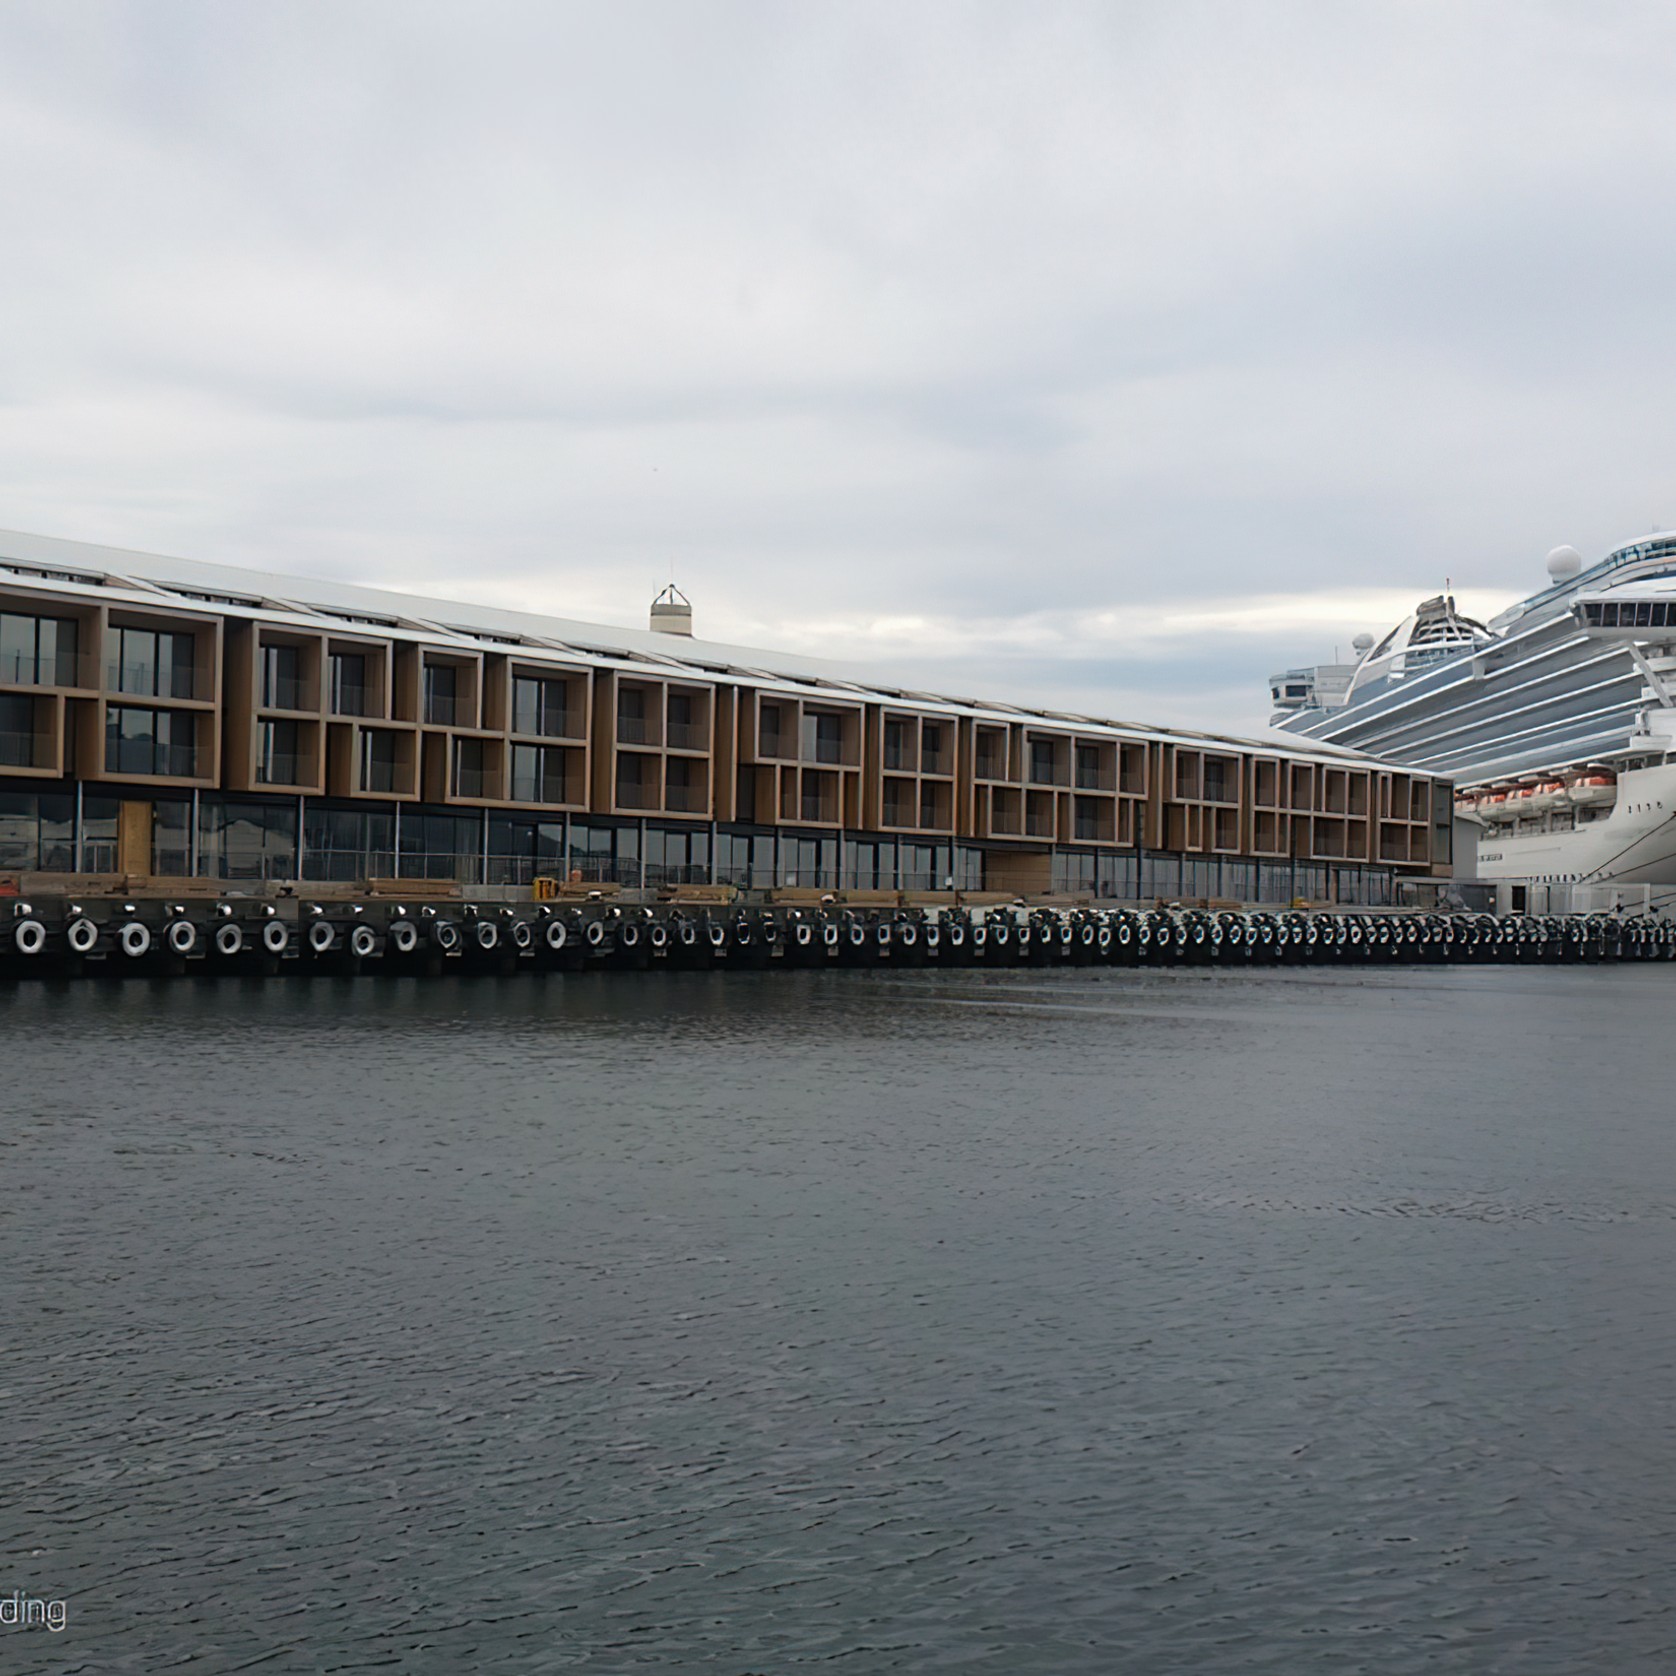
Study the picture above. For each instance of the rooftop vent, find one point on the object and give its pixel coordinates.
(672, 612)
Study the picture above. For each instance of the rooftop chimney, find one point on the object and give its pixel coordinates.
(672, 612)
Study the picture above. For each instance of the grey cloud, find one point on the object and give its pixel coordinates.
(958, 311)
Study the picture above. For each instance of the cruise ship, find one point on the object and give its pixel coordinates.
(1556, 719)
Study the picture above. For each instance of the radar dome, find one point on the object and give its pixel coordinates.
(1362, 645)
(1564, 563)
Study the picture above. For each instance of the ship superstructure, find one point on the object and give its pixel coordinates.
(1556, 719)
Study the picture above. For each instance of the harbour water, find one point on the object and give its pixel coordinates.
(1058, 1322)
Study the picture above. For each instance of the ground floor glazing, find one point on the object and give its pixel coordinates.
(211, 835)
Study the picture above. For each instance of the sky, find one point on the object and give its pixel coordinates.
(1109, 357)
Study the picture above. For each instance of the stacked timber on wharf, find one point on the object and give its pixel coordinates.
(164, 720)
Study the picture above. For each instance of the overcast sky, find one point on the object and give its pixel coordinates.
(1108, 355)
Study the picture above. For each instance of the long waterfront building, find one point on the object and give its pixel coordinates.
(167, 718)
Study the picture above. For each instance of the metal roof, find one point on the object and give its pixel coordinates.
(321, 604)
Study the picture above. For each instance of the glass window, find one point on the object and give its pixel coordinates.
(378, 760)
(442, 682)
(17, 648)
(282, 678)
(240, 839)
(684, 781)
(1042, 766)
(931, 751)
(769, 730)
(896, 745)
(538, 774)
(345, 844)
(539, 706)
(686, 732)
(38, 650)
(19, 831)
(898, 803)
(823, 736)
(278, 757)
(17, 731)
(637, 780)
(471, 768)
(139, 741)
(348, 685)
(632, 726)
(437, 846)
(151, 663)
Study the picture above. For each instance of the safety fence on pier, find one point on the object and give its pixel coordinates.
(297, 937)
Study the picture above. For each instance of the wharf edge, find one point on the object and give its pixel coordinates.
(301, 936)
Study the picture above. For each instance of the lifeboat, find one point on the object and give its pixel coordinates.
(1549, 795)
(1493, 806)
(1521, 800)
(1594, 788)
(1466, 803)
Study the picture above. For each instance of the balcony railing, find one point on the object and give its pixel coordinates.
(687, 736)
(634, 730)
(352, 701)
(142, 680)
(17, 750)
(141, 756)
(24, 671)
(284, 693)
(441, 711)
(280, 770)
(636, 794)
(539, 788)
(686, 800)
(549, 724)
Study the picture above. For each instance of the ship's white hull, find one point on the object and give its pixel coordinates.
(1634, 844)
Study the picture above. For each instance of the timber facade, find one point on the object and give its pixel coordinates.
(165, 718)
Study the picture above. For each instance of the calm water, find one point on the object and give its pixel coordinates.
(1048, 1322)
